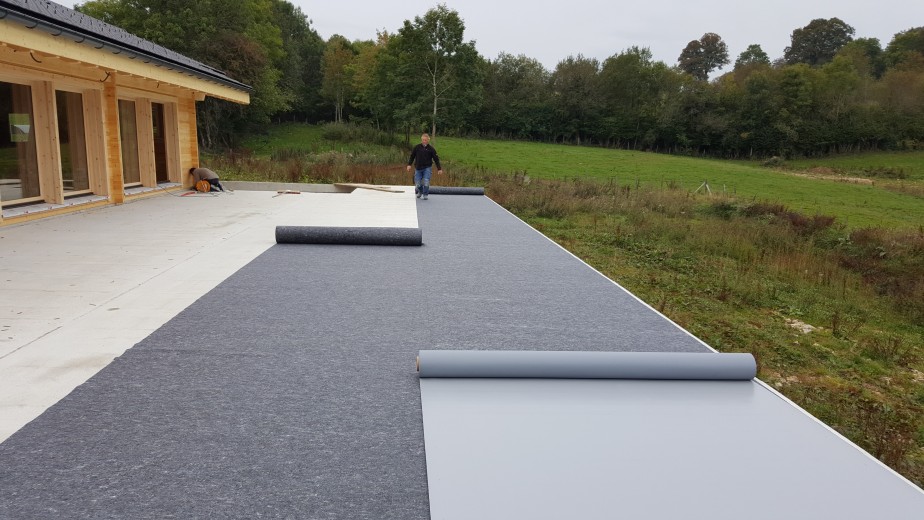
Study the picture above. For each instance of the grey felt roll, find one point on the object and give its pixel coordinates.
(586, 365)
(371, 236)
(455, 190)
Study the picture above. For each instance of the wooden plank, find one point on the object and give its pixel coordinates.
(15, 34)
(366, 187)
(47, 145)
(113, 141)
(19, 65)
(145, 127)
(93, 121)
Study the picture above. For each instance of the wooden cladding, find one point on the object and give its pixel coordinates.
(92, 138)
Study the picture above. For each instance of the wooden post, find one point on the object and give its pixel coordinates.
(113, 141)
(47, 146)
(187, 135)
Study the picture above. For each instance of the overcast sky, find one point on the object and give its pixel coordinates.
(550, 30)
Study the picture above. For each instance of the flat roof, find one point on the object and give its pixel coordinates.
(60, 21)
(290, 390)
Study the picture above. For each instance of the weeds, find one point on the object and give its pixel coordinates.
(729, 272)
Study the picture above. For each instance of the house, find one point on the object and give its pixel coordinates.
(94, 115)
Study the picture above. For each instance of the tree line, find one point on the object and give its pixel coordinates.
(830, 92)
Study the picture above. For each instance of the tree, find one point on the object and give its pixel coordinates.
(516, 99)
(336, 62)
(753, 55)
(301, 68)
(905, 46)
(818, 42)
(362, 74)
(239, 37)
(576, 97)
(631, 88)
(700, 57)
(866, 55)
(434, 48)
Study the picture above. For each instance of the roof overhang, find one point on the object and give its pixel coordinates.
(20, 30)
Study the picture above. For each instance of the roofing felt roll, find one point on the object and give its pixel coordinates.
(586, 365)
(455, 190)
(371, 236)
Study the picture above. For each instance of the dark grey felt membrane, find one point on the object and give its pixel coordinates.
(586, 365)
(364, 236)
(455, 190)
(289, 391)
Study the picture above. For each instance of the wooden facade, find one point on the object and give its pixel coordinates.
(100, 122)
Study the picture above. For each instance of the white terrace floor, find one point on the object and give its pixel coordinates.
(78, 290)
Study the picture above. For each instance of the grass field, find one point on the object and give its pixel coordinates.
(279, 137)
(882, 202)
(856, 205)
(739, 273)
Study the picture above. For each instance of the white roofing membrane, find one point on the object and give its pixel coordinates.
(589, 449)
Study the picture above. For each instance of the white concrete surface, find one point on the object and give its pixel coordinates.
(78, 290)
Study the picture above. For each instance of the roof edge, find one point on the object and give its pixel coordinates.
(31, 21)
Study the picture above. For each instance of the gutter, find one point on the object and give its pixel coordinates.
(54, 29)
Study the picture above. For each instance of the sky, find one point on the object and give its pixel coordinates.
(551, 30)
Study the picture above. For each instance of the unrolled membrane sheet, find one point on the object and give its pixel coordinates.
(586, 365)
(501, 448)
(455, 190)
(373, 236)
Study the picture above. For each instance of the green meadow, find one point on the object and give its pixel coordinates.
(856, 205)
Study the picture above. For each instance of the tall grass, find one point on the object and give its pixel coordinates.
(738, 274)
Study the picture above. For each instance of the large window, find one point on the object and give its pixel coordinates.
(128, 130)
(73, 142)
(19, 179)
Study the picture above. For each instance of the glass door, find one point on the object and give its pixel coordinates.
(73, 141)
(19, 175)
(160, 143)
(128, 131)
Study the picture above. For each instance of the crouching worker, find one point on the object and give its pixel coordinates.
(205, 174)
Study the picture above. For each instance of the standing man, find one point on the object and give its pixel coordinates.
(422, 157)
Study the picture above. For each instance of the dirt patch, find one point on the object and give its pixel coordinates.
(829, 174)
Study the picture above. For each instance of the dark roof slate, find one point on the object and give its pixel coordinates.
(61, 21)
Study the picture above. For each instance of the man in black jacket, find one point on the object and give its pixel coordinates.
(422, 157)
